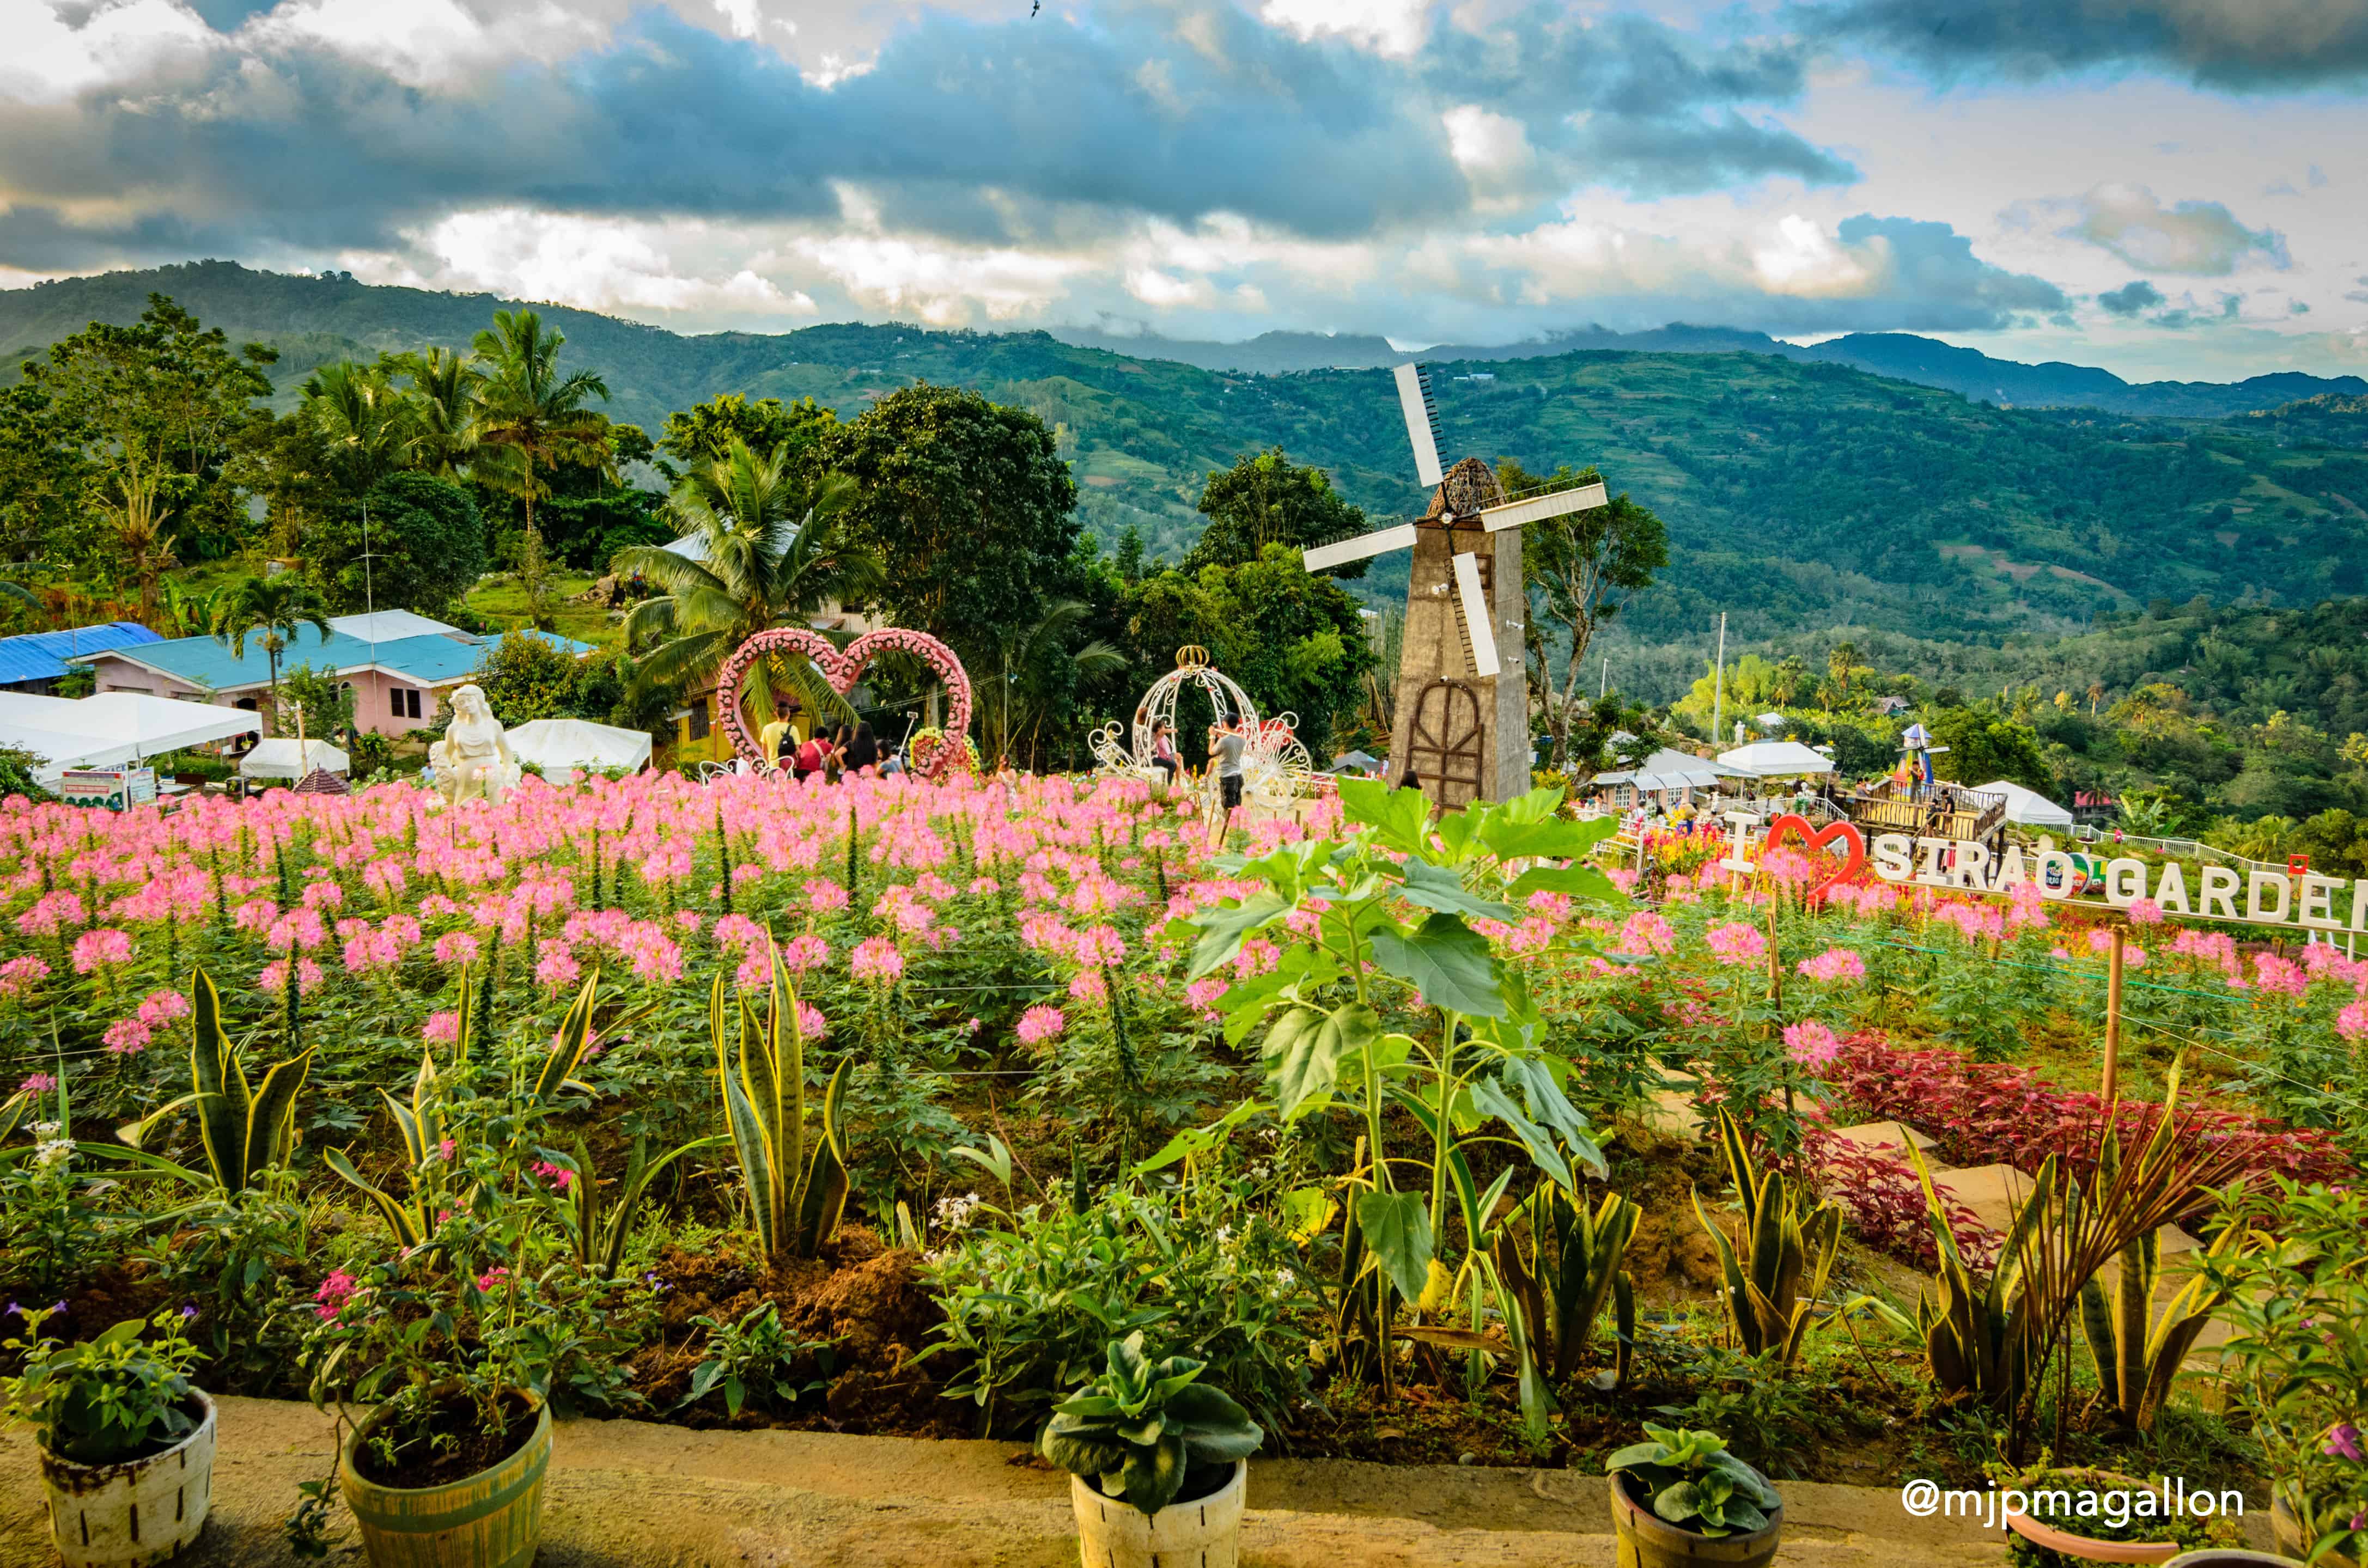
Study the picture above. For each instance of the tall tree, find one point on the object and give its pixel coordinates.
(1038, 673)
(969, 505)
(530, 419)
(447, 387)
(153, 408)
(272, 609)
(707, 430)
(765, 550)
(369, 426)
(1578, 570)
(1268, 499)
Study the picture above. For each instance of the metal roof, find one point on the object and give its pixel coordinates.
(41, 655)
(433, 660)
(394, 625)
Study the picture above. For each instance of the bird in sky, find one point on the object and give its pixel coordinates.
(1036, 6)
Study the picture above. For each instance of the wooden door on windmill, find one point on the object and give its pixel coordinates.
(1447, 743)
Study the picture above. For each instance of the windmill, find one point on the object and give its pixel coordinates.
(1462, 691)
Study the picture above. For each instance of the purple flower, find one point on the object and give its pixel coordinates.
(2343, 1439)
(188, 1314)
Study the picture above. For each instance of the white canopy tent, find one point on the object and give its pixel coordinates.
(278, 760)
(2027, 807)
(112, 729)
(1670, 770)
(560, 746)
(1776, 759)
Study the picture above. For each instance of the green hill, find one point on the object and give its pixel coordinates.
(1799, 495)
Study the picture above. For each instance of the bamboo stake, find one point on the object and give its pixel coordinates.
(2110, 1089)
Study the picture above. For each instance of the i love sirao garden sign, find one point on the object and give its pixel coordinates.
(2296, 897)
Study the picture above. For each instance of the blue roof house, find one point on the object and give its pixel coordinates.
(36, 661)
(396, 684)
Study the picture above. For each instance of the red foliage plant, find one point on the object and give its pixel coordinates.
(1885, 1203)
(1982, 1113)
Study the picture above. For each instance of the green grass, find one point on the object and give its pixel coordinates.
(503, 602)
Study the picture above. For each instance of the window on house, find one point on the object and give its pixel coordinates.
(405, 700)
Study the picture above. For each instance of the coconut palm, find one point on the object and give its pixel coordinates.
(368, 424)
(530, 417)
(1038, 666)
(760, 549)
(274, 610)
(445, 388)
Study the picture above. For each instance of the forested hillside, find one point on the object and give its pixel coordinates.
(1799, 495)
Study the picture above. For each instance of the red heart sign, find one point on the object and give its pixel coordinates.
(843, 668)
(1818, 838)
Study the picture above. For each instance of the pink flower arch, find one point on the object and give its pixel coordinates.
(843, 668)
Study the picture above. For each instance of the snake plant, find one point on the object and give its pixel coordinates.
(796, 1193)
(1788, 1253)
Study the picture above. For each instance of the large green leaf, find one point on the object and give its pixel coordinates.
(1448, 961)
(1542, 1152)
(1396, 1225)
(1435, 887)
(1578, 881)
(1551, 837)
(1224, 928)
(1306, 1046)
(1399, 818)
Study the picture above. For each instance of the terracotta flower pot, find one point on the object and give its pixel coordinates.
(490, 1519)
(2082, 1547)
(1648, 1540)
(1192, 1532)
(136, 1512)
(2232, 1557)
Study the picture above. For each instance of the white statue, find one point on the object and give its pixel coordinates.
(472, 761)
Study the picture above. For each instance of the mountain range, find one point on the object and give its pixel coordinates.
(1835, 487)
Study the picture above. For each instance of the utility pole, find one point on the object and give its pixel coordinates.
(1718, 687)
(1605, 685)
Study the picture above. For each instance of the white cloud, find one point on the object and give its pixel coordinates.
(598, 264)
(1386, 26)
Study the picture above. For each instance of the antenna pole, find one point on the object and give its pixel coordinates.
(1718, 684)
(1605, 685)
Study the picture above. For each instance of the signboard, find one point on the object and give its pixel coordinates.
(2294, 897)
(113, 788)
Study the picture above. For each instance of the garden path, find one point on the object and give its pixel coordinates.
(635, 1495)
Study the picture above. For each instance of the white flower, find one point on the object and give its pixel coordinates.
(54, 1151)
(1285, 1280)
(45, 1129)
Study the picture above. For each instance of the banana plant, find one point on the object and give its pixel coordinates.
(598, 1231)
(1771, 1292)
(247, 1128)
(795, 1194)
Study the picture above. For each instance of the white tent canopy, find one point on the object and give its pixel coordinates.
(111, 729)
(2027, 807)
(278, 760)
(1776, 759)
(1671, 769)
(559, 745)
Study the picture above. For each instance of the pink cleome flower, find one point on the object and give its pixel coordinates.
(105, 946)
(1735, 943)
(1040, 1023)
(877, 958)
(1811, 1044)
(1834, 964)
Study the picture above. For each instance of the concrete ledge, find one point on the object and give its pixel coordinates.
(636, 1495)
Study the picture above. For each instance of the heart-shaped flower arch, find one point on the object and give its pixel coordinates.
(842, 668)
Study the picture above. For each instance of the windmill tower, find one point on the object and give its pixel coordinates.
(1462, 689)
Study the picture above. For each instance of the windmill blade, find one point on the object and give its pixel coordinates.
(1538, 509)
(1476, 623)
(1357, 548)
(1413, 397)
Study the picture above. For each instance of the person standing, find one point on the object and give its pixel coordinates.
(862, 751)
(776, 740)
(1227, 754)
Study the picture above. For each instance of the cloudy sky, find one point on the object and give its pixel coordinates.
(2165, 188)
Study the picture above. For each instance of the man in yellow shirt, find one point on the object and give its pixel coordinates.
(771, 736)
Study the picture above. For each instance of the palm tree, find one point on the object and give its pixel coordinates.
(275, 608)
(369, 424)
(1034, 659)
(446, 389)
(742, 566)
(528, 415)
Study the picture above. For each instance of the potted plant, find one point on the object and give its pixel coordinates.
(1158, 1462)
(2073, 1516)
(1682, 1498)
(2296, 1297)
(127, 1441)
